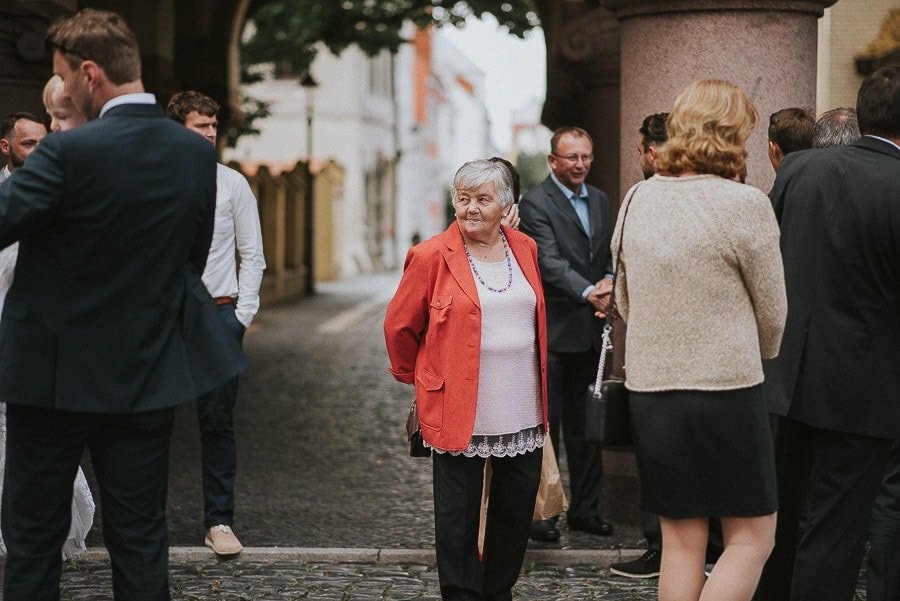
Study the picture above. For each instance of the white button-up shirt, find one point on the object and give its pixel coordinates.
(236, 230)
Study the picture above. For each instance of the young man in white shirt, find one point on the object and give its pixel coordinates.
(235, 289)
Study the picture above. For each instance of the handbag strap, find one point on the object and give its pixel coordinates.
(606, 342)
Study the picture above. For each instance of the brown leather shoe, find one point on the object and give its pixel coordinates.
(222, 541)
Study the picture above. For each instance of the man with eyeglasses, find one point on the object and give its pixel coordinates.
(107, 326)
(570, 222)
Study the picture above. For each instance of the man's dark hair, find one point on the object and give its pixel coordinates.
(571, 130)
(837, 127)
(878, 103)
(100, 36)
(792, 129)
(9, 123)
(181, 104)
(653, 130)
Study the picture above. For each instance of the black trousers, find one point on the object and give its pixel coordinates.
(827, 482)
(883, 567)
(568, 376)
(458, 482)
(130, 456)
(215, 416)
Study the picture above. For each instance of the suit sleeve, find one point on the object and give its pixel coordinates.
(200, 249)
(556, 270)
(406, 318)
(31, 196)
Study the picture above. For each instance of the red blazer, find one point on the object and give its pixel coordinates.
(432, 330)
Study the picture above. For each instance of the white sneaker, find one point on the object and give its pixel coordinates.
(223, 541)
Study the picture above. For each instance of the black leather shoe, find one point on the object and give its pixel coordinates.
(544, 531)
(591, 525)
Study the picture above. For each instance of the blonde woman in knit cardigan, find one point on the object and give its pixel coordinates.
(467, 326)
(701, 285)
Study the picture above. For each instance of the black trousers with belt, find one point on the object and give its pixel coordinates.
(458, 483)
(130, 457)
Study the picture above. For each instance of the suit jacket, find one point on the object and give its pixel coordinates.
(107, 312)
(570, 260)
(432, 330)
(839, 210)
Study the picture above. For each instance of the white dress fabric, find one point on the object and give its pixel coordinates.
(82, 500)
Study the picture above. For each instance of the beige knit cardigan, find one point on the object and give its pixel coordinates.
(700, 283)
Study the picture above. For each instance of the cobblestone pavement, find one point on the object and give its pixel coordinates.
(323, 465)
(279, 580)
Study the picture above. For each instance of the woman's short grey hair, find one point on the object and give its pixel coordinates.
(475, 174)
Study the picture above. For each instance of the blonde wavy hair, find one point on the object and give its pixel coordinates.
(707, 128)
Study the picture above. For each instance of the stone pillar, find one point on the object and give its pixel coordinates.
(768, 47)
(583, 81)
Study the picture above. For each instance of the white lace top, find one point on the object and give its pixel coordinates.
(508, 417)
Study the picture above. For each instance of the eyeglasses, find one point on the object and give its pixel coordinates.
(574, 158)
(51, 46)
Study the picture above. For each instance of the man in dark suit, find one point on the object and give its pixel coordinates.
(834, 384)
(107, 326)
(570, 222)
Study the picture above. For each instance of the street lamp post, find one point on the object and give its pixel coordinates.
(309, 86)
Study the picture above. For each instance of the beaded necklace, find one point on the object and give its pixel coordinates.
(509, 271)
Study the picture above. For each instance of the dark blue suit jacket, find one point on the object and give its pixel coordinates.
(107, 312)
(839, 365)
(570, 260)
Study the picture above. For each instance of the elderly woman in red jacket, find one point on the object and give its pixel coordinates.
(467, 326)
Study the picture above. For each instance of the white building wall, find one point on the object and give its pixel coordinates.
(352, 124)
(358, 125)
(456, 129)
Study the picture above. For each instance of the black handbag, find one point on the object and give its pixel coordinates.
(607, 413)
(417, 446)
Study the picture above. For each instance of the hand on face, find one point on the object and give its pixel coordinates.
(511, 217)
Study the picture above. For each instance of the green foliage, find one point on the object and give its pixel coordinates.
(290, 31)
(532, 168)
(252, 109)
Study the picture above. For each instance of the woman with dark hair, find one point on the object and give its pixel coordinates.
(467, 326)
(511, 214)
(701, 285)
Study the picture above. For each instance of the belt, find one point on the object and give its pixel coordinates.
(223, 300)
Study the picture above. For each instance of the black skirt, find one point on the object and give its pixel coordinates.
(704, 453)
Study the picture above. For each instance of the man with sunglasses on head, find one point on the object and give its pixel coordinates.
(107, 326)
(570, 222)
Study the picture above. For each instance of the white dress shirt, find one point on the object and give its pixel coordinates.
(236, 229)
